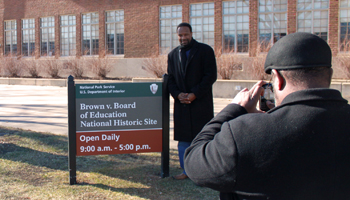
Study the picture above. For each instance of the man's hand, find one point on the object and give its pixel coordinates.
(249, 98)
(186, 98)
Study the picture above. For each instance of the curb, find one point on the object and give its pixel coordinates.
(221, 88)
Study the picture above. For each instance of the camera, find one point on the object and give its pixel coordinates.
(267, 96)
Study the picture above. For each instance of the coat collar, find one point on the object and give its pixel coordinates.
(193, 51)
(321, 94)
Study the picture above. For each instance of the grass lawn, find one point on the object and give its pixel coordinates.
(34, 165)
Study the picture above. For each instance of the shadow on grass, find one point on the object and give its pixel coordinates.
(50, 151)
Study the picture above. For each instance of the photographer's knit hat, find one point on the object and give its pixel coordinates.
(298, 50)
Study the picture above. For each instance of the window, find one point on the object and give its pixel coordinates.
(47, 45)
(115, 32)
(28, 37)
(11, 37)
(68, 35)
(272, 21)
(202, 21)
(313, 17)
(236, 25)
(90, 34)
(344, 25)
(170, 17)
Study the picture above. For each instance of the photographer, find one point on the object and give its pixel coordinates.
(298, 150)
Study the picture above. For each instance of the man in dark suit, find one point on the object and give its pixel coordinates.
(192, 72)
(297, 150)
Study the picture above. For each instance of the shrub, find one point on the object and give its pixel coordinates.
(156, 66)
(76, 67)
(343, 61)
(52, 67)
(11, 66)
(257, 64)
(228, 64)
(100, 66)
(32, 67)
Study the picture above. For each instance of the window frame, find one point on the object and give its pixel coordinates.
(274, 35)
(12, 34)
(340, 42)
(174, 22)
(73, 32)
(49, 51)
(30, 48)
(91, 51)
(210, 40)
(312, 11)
(115, 23)
(236, 14)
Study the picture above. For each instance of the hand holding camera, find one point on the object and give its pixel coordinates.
(267, 99)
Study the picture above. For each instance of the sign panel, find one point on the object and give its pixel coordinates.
(118, 118)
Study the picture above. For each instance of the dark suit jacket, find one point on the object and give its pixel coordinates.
(200, 75)
(298, 150)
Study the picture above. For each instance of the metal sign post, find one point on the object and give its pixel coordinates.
(166, 127)
(72, 166)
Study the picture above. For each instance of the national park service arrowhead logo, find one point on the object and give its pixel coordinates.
(153, 88)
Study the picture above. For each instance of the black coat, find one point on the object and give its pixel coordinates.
(200, 75)
(298, 150)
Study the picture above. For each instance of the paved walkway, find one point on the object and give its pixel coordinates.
(44, 109)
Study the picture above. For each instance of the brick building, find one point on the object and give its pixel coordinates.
(134, 29)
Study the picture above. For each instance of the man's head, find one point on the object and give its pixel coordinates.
(184, 33)
(299, 61)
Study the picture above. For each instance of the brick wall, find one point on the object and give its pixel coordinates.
(141, 31)
(333, 24)
(141, 24)
(292, 16)
(218, 24)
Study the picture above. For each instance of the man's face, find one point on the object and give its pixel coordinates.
(185, 35)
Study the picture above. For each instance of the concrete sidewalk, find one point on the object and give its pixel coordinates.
(44, 109)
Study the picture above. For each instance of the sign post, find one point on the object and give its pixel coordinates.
(166, 128)
(71, 132)
(118, 118)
